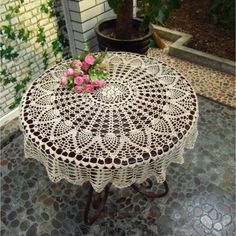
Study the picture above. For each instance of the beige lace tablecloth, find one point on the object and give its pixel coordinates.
(131, 129)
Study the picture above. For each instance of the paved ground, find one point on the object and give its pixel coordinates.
(201, 200)
(207, 82)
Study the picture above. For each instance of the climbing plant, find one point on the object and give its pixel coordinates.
(10, 50)
(48, 8)
(41, 38)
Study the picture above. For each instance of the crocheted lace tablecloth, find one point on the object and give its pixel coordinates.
(131, 129)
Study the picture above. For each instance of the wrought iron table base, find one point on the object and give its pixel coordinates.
(149, 194)
(99, 202)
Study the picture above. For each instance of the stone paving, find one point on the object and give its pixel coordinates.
(207, 82)
(201, 200)
(8, 132)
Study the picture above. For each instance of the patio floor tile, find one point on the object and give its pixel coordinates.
(201, 200)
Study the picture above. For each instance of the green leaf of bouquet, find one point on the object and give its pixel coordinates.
(86, 47)
(83, 55)
(92, 76)
(101, 58)
(101, 75)
(70, 84)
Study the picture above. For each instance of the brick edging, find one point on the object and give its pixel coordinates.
(180, 50)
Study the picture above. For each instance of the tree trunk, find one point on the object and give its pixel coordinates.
(124, 21)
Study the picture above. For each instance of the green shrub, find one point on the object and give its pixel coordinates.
(222, 12)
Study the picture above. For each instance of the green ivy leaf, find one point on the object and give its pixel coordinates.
(16, 102)
(48, 8)
(8, 53)
(8, 80)
(6, 77)
(11, 8)
(45, 59)
(21, 85)
(40, 37)
(8, 16)
(44, 8)
(3, 72)
(52, 13)
(51, 3)
(23, 34)
(8, 30)
(56, 46)
(18, 87)
(17, 9)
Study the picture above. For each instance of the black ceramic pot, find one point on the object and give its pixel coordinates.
(138, 45)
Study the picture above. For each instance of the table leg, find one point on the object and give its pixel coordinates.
(151, 194)
(98, 203)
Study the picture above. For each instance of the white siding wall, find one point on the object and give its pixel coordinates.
(81, 17)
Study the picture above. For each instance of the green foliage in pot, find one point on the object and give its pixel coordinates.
(152, 10)
(222, 12)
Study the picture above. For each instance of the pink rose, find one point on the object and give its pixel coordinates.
(86, 79)
(99, 83)
(76, 64)
(89, 88)
(85, 66)
(79, 80)
(78, 89)
(68, 72)
(63, 81)
(89, 59)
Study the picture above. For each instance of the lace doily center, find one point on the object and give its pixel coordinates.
(112, 93)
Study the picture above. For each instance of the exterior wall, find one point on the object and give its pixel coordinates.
(29, 17)
(81, 17)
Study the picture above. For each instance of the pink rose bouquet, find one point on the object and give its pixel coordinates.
(86, 73)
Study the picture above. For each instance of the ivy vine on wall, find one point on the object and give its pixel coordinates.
(12, 34)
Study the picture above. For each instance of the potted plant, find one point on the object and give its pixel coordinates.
(125, 33)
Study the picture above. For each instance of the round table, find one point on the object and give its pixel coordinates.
(131, 129)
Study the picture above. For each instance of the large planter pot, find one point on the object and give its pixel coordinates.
(105, 28)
